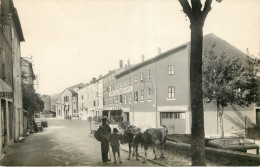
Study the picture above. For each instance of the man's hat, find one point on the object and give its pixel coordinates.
(115, 130)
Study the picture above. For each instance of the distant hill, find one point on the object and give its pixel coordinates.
(54, 98)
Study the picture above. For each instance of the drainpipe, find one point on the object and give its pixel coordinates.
(133, 100)
(155, 93)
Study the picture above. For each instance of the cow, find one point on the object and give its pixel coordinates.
(152, 137)
(129, 137)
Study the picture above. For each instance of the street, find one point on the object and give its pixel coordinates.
(62, 143)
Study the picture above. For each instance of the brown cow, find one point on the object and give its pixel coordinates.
(128, 137)
(152, 137)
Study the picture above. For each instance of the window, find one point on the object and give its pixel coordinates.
(142, 95)
(104, 101)
(130, 97)
(110, 100)
(135, 78)
(136, 96)
(116, 99)
(125, 98)
(141, 77)
(125, 82)
(149, 74)
(130, 81)
(82, 97)
(113, 100)
(171, 92)
(121, 99)
(171, 70)
(173, 115)
(149, 94)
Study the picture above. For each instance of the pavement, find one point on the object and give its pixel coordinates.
(63, 143)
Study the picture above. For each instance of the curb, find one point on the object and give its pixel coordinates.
(151, 160)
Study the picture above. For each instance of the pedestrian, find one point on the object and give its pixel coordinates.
(102, 135)
(70, 118)
(114, 142)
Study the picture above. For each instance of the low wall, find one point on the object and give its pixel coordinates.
(220, 156)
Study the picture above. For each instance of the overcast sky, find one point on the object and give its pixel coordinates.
(72, 41)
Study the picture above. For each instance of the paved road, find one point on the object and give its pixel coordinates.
(62, 143)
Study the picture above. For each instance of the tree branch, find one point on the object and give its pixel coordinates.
(186, 7)
(207, 8)
(196, 5)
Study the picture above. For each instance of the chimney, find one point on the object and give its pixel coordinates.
(100, 76)
(159, 50)
(128, 63)
(142, 57)
(121, 64)
(93, 79)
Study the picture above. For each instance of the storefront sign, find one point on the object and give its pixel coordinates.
(172, 108)
(6, 94)
(126, 109)
(121, 91)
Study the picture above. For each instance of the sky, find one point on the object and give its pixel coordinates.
(71, 41)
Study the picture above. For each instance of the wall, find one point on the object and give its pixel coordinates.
(233, 118)
(221, 157)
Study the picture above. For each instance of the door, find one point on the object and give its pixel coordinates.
(174, 121)
(4, 122)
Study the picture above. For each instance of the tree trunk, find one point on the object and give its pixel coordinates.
(197, 18)
(197, 130)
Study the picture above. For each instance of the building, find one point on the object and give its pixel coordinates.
(11, 35)
(111, 90)
(47, 106)
(156, 92)
(28, 76)
(91, 99)
(67, 103)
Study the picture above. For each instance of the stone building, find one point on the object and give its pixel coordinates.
(12, 123)
(67, 103)
(90, 99)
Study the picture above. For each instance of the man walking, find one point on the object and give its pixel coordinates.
(106, 130)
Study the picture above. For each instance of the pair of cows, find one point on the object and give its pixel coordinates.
(150, 138)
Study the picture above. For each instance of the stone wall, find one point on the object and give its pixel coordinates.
(220, 156)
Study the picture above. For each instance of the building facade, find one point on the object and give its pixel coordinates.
(67, 103)
(156, 92)
(11, 117)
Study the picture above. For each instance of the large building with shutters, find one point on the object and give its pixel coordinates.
(156, 92)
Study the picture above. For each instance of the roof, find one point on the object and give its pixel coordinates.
(208, 40)
(222, 45)
(17, 24)
(80, 85)
(151, 60)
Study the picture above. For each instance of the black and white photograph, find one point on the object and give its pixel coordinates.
(130, 82)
